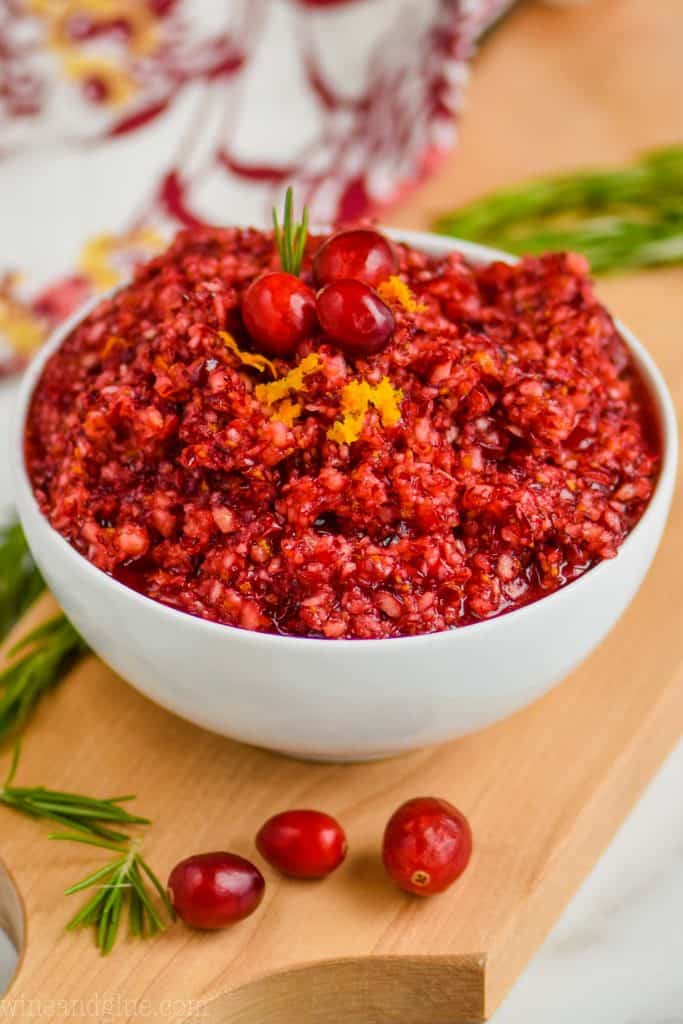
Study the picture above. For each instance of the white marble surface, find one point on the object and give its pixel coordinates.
(616, 954)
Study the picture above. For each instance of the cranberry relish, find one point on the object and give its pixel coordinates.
(499, 445)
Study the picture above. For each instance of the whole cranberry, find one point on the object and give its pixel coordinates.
(278, 310)
(427, 845)
(354, 316)
(302, 844)
(212, 890)
(359, 253)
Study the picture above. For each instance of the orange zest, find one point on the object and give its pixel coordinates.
(253, 359)
(395, 291)
(292, 381)
(357, 397)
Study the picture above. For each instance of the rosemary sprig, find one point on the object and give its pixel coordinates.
(20, 581)
(122, 883)
(624, 218)
(84, 814)
(40, 659)
(290, 239)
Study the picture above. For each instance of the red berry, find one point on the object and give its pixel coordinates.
(278, 310)
(360, 253)
(427, 845)
(354, 316)
(211, 890)
(303, 844)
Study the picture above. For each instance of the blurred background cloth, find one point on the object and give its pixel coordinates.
(121, 120)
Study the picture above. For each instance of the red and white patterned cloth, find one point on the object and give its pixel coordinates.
(122, 119)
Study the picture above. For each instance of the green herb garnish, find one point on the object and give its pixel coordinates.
(36, 663)
(290, 239)
(122, 883)
(84, 814)
(20, 581)
(619, 219)
(40, 659)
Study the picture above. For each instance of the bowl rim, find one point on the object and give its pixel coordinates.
(436, 245)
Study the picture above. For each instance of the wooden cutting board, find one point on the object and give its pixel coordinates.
(544, 791)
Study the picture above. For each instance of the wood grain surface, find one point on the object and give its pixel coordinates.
(545, 791)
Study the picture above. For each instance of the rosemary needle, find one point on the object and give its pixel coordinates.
(290, 239)
(126, 882)
(87, 815)
(622, 218)
(20, 581)
(37, 662)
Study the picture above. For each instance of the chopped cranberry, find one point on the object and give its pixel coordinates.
(278, 310)
(212, 890)
(302, 844)
(360, 253)
(427, 845)
(355, 317)
(526, 450)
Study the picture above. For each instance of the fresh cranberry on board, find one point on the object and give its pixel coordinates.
(354, 317)
(360, 253)
(278, 310)
(302, 843)
(213, 890)
(427, 845)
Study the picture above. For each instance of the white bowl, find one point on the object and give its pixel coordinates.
(346, 699)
